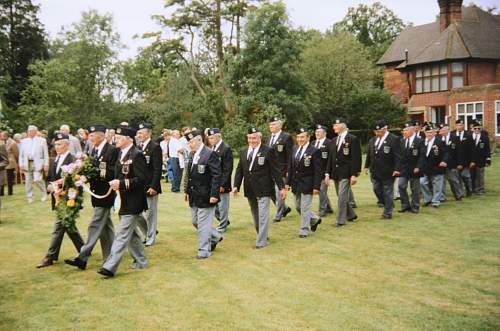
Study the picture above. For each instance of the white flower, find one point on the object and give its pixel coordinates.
(72, 193)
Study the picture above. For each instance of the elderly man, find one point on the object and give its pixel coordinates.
(131, 179)
(74, 143)
(464, 146)
(153, 154)
(225, 154)
(282, 143)
(259, 170)
(33, 161)
(322, 143)
(456, 159)
(202, 191)
(481, 156)
(383, 161)
(103, 157)
(304, 178)
(64, 157)
(13, 154)
(344, 167)
(436, 162)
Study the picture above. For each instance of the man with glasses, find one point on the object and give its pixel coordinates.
(481, 156)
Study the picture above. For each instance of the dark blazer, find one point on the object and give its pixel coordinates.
(346, 161)
(203, 179)
(464, 146)
(225, 154)
(133, 198)
(259, 181)
(412, 158)
(481, 153)
(305, 175)
(324, 149)
(54, 175)
(100, 186)
(154, 159)
(284, 149)
(387, 159)
(456, 155)
(438, 154)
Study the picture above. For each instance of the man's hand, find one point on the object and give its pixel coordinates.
(287, 187)
(213, 200)
(416, 171)
(472, 165)
(315, 192)
(221, 190)
(354, 180)
(327, 180)
(367, 171)
(152, 192)
(46, 168)
(396, 174)
(443, 164)
(115, 184)
(283, 194)
(186, 197)
(235, 192)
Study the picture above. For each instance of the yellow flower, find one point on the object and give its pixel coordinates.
(70, 203)
(57, 202)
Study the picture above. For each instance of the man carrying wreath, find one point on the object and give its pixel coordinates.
(64, 157)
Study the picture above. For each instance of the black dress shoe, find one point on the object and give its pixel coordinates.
(213, 244)
(338, 225)
(386, 217)
(259, 247)
(201, 257)
(380, 205)
(315, 226)
(403, 210)
(287, 211)
(302, 236)
(414, 211)
(352, 219)
(77, 262)
(276, 220)
(105, 272)
(427, 204)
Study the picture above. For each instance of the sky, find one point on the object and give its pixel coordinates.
(134, 17)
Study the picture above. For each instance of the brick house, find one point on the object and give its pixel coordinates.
(449, 69)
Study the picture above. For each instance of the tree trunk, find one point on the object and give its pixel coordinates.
(220, 54)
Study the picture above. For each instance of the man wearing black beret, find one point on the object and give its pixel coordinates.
(322, 143)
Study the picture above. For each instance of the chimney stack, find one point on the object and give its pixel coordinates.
(450, 12)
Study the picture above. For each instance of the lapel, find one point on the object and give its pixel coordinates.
(256, 156)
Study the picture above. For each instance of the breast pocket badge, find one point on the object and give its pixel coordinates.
(261, 160)
(415, 152)
(481, 145)
(387, 149)
(125, 168)
(201, 169)
(102, 169)
(346, 150)
(148, 158)
(324, 155)
(436, 150)
(307, 161)
(280, 148)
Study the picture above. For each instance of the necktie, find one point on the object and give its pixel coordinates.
(299, 153)
(57, 163)
(271, 143)
(317, 144)
(95, 151)
(250, 156)
(407, 143)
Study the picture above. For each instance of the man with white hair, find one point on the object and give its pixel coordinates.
(33, 161)
(74, 143)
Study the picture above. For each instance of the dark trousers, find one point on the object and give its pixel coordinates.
(176, 169)
(384, 191)
(11, 179)
(414, 204)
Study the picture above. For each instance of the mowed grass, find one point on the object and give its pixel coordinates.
(436, 270)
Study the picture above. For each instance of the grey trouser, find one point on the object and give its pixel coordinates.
(453, 177)
(325, 206)
(202, 219)
(281, 206)
(435, 183)
(465, 177)
(100, 227)
(344, 208)
(34, 177)
(303, 204)
(414, 204)
(126, 236)
(260, 213)
(352, 202)
(148, 222)
(384, 190)
(222, 212)
(478, 183)
(57, 238)
(396, 190)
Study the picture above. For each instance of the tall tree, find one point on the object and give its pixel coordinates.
(22, 41)
(375, 26)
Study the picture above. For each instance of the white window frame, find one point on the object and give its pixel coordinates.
(497, 112)
(474, 114)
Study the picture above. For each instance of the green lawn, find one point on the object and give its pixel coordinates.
(436, 270)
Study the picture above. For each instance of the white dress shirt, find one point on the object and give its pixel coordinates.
(125, 151)
(60, 160)
(100, 147)
(319, 143)
(254, 153)
(341, 138)
(380, 141)
(429, 144)
(302, 151)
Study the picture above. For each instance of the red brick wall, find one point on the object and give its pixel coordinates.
(479, 73)
(395, 82)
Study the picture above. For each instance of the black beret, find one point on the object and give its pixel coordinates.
(319, 126)
(61, 136)
(145, 125)
(213, 131)
(274, 119)
(417, 123)
(476, 123)
(192, 134)
(459, 121)
(125, 131)
(302, 130)
(97, 128)
(380, 124)
(253, 130)
(428, 128)
(443, 125)
(409, 124)
(340, 120)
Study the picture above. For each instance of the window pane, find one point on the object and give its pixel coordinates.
(435, 84)
(435, 70)
(418, 88)
(461, 109)
(444, 69)
(419, 72)
(458, 81)
(427, 71)
(444, 83)
(479, 108)
(470, 108)
(498, 121)
(462, 117)
(427, 84)
(457, 67)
